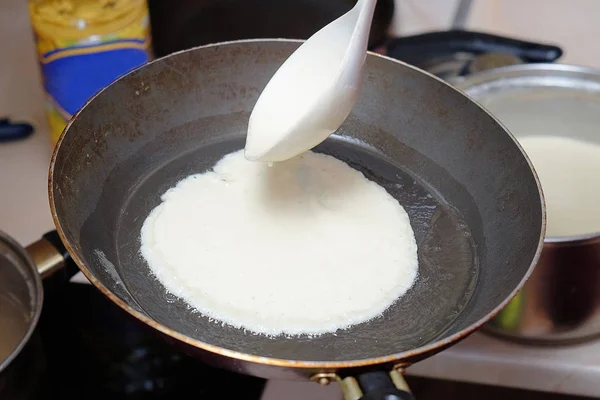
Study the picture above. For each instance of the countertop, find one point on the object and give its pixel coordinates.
(25, 214)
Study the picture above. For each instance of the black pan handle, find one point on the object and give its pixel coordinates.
(369, 385)
(50, 256)
(419, 48)
(11, 131)
(378, 385)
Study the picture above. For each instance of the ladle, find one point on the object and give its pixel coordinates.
(313, 91)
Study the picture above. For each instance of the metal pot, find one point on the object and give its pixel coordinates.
(21, 298)
(561, 301)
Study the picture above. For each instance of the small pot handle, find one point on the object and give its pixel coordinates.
(50, 255)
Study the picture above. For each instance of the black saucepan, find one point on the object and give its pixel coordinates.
(473, 199)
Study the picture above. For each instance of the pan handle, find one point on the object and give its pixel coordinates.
(50, 255)
(11, 131)
(372, 385)
(422, 47)
(378, 385)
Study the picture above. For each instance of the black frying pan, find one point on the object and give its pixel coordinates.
(474, 202)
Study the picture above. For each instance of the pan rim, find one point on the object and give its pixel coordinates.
(429, 348)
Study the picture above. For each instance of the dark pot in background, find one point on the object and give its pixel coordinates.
(188, 23)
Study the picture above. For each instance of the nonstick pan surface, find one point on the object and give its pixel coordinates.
(473, 200)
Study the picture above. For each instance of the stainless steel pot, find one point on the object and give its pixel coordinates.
(561, 301)
(21, 298)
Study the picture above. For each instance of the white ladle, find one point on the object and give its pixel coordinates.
(313, 91)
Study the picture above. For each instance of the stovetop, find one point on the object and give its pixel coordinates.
(86, 347)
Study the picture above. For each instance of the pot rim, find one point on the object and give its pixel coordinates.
(559, 70)
(589, 238)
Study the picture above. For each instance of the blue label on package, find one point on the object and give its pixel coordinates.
(73, 75)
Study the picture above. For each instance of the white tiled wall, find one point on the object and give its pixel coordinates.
(571, 24)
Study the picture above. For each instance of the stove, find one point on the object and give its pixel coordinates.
(87, 347)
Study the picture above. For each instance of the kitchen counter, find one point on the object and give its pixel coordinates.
(25, 214)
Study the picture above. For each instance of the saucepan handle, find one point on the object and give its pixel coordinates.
(419, 48)
(50, 256)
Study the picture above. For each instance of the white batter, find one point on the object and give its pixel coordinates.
(569, 172)
(307, 246)
(313, 91)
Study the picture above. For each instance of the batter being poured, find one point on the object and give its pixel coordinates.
(307, 246)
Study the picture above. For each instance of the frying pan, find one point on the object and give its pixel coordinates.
(472, 196)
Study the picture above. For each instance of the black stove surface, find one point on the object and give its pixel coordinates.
(94, 350)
